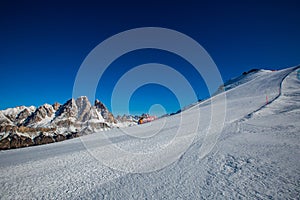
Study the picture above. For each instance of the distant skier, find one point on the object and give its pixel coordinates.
(146, 118)
(140, 120)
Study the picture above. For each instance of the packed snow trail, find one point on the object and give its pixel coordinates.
(256, 157)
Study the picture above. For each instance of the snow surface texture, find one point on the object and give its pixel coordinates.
(255, 156)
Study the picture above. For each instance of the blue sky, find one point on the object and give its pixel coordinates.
(42, 44)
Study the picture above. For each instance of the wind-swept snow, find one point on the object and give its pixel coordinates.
(255, 156)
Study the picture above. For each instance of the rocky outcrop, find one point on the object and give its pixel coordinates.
(23, 115)
(40, 113)
(17, 141)
(17, 114)
(56, 106)
(108, 116)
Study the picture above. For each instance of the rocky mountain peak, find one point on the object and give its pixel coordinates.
(84, 108)
(39, 114)
(56, 106)
(68, 109)
(104, 111)
(99, 105)
(23, 115)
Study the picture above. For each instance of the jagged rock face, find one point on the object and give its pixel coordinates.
(42, 139)
(4, 120)
(104, 111)
(76, 112)
(18, 113)
(41, 113)
(5, 143)
(84, 108)
(8, 128)
(12, 113)
(78, 109)
(16, 141)
(20, 141)
(67, 110)
(56, 106)
(23, 115)
(95, 115)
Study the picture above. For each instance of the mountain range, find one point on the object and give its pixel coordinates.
(26, 126)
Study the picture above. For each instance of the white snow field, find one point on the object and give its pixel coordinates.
(255, 156)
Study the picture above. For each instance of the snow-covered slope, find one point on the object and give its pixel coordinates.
(244, 78)
(255, 156)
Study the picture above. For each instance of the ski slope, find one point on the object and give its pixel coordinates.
(256, 154)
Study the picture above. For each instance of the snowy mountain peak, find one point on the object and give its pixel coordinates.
(102, 109)
(56, 106)
(39, 114)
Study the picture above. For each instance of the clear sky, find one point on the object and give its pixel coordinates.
(43, 43)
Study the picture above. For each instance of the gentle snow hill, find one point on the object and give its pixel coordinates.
(256, 156)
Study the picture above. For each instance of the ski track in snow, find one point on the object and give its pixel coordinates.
(256, 155)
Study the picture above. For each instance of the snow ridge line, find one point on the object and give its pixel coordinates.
(249, 115)
(222, 93)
